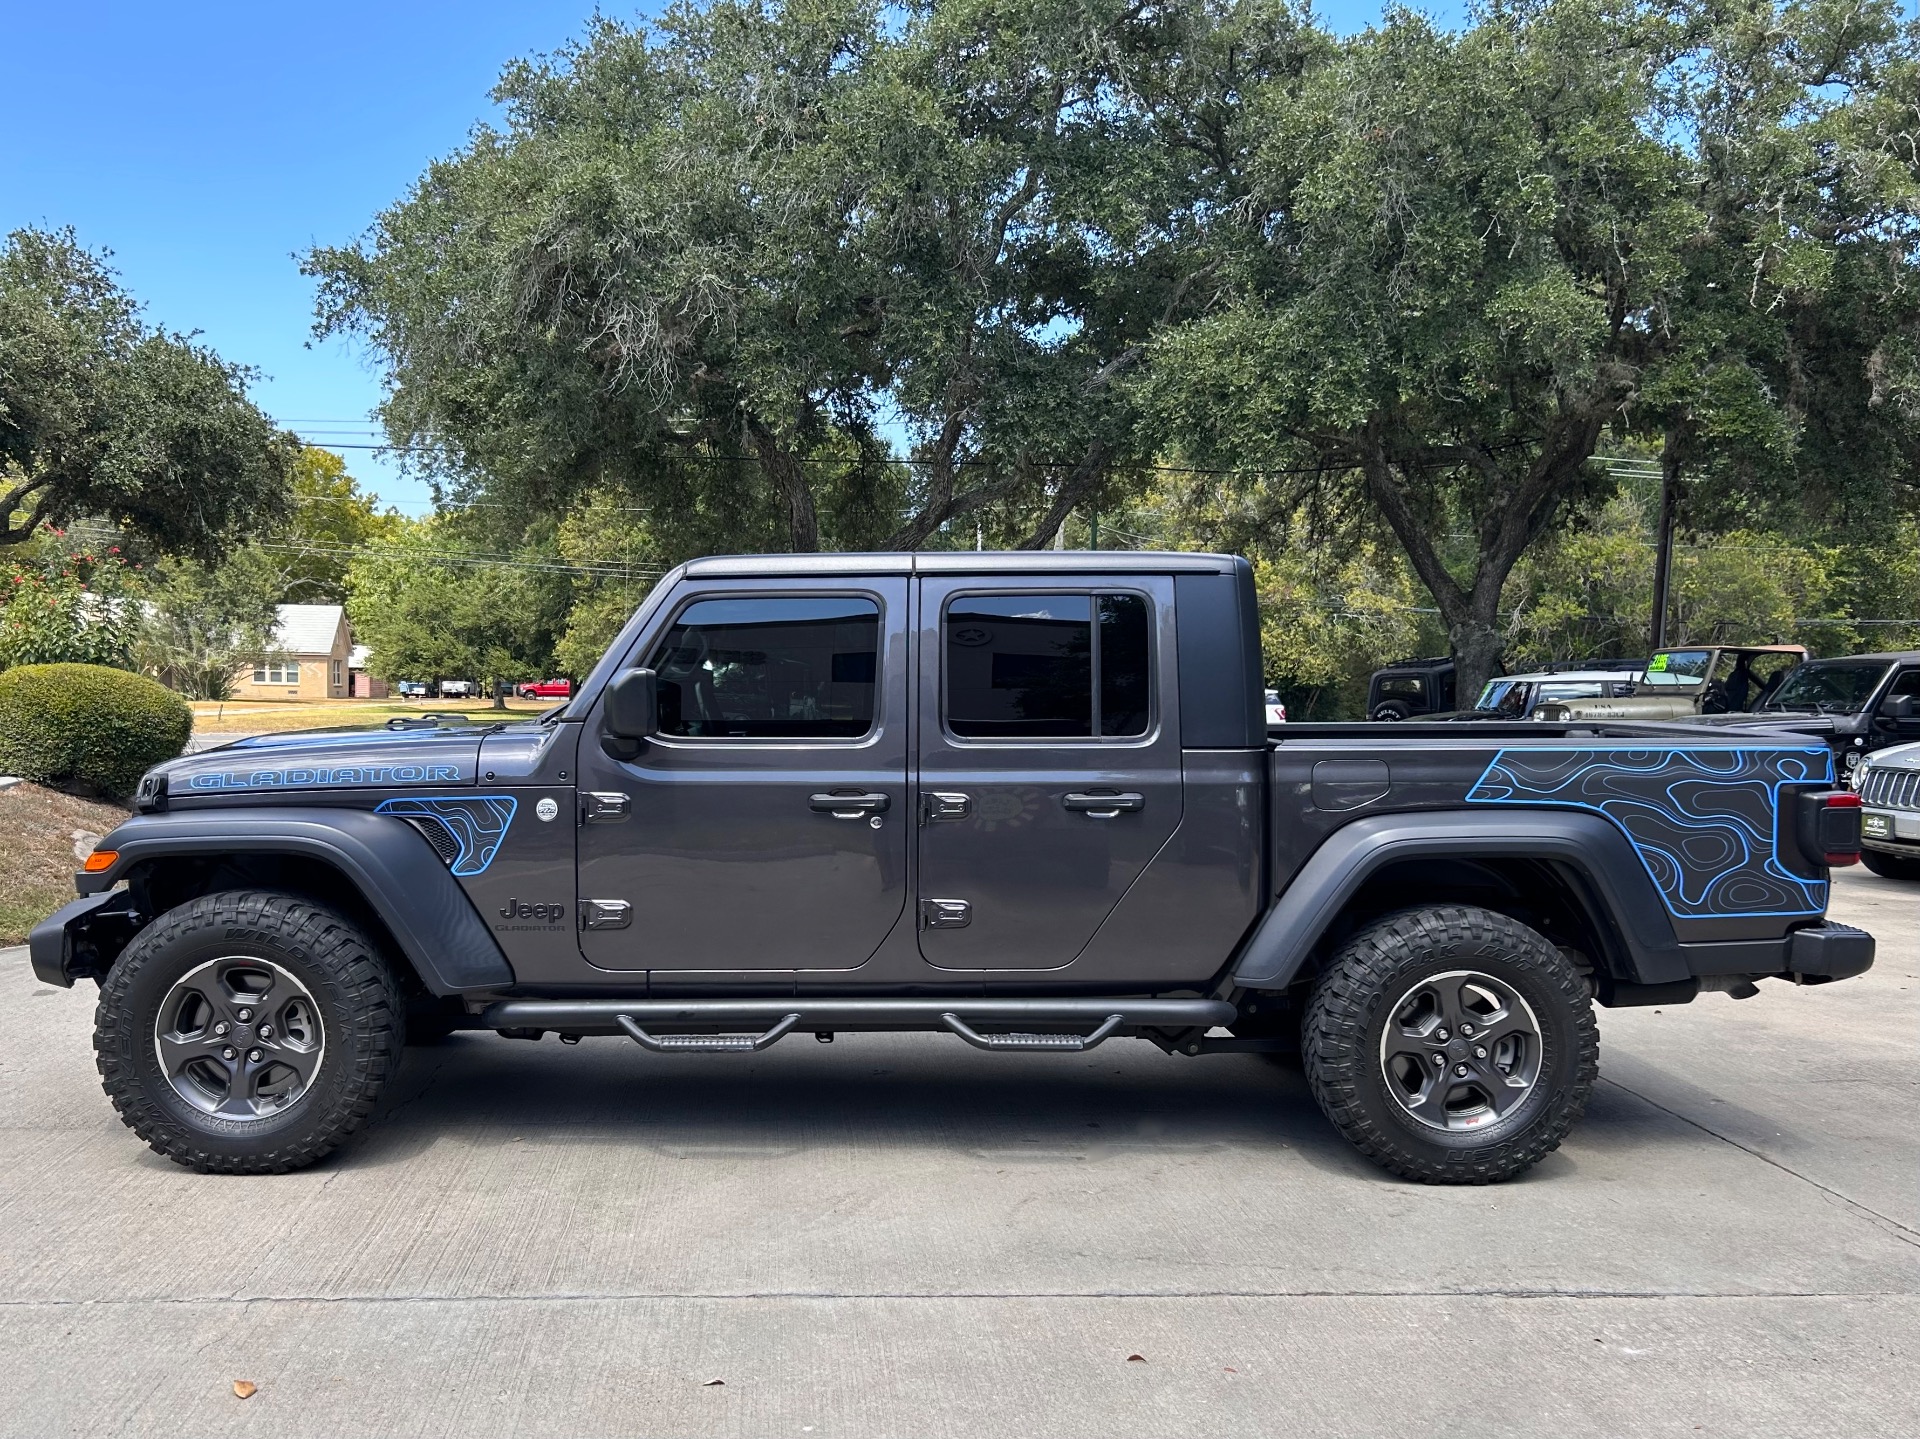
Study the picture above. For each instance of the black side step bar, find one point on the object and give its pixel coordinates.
(1069, 1043)
(642, 1020)
(710, 1043)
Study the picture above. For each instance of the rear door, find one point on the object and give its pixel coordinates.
(1049, 761)
(766, 826)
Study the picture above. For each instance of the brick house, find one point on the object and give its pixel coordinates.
(311, 645)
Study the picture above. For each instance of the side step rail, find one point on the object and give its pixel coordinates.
(1069, 1043)
(709, 1043)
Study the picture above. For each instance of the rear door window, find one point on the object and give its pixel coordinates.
(1047, 666)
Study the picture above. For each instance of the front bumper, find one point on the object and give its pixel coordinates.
(78, 940)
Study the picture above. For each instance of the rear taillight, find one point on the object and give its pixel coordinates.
(1828, 826)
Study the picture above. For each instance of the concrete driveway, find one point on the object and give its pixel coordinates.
(898, 1235)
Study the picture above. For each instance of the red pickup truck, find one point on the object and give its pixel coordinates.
(547, 690)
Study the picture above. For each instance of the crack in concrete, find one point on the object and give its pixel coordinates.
(1886, 1222)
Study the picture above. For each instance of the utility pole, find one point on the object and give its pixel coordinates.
(1663, 545)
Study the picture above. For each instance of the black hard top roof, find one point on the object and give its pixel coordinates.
(965, 562)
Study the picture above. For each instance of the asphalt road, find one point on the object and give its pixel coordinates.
(897, 1235)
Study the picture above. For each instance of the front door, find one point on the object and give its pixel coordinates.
(766, 826)
(1049, 761)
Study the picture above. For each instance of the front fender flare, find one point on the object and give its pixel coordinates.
(394, 869)
(1591, 847)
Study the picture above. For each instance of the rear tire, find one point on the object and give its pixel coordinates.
(1890, 866)
(1452, 1045)
(247, 1032)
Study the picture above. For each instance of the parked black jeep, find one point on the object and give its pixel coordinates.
(1029, 800)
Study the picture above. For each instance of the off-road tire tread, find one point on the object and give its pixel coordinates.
(1371, 969)
(370, 1049)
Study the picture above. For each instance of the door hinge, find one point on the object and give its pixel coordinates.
(945, 914)
(605, 914)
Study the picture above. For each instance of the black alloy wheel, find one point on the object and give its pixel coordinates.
(1452, 1044)
(247, 1032)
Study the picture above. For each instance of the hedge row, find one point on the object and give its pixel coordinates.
(87, 726)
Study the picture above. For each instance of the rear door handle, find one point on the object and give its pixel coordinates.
(1104, 806)
(850, 806)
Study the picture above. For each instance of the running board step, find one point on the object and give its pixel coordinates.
(1071, 1043)
(711, 1043)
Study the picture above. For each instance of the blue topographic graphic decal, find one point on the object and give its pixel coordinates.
(1702, 819)
(477, 822)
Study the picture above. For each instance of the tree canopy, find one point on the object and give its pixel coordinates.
(835, 274)
(102, 416)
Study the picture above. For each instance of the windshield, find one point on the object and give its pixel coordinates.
(1499, 693)
(1678, 667)
(1828, 688)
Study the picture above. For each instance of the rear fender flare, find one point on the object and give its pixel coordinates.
(1592, 848)
(385, 859)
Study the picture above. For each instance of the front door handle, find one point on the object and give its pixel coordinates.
(1104, 806)
(850, 806)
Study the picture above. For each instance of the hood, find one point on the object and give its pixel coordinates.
(1900, 756)
(326, 760)
(1790, 721)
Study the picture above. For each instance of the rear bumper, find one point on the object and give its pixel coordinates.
(1829, 951)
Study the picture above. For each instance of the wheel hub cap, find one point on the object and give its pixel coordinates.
(1460, 1050)
(222, 1064)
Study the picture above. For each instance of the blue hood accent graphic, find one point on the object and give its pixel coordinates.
(331, 760)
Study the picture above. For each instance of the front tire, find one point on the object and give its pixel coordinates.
(1890, 866)
(247, 1032)
(1452, 1045)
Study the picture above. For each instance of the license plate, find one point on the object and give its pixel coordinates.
(1878, 825)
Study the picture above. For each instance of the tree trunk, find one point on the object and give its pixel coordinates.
(1084, 480)
(1475, 644)
(789, 478)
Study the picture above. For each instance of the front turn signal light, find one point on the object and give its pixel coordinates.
(100, 859)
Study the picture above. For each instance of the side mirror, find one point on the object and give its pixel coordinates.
(1904, 711)
(632, 710)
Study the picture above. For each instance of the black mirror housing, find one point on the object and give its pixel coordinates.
(633, 705)
(1904, 709)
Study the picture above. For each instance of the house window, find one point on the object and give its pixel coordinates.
(277, 673)
(337, 678)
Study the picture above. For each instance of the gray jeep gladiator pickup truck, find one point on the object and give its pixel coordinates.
(1026, 799)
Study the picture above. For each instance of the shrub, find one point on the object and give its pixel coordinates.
(87, 727)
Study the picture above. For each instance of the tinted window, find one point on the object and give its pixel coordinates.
(770, 669)
(1403, 687)
(1828, 688)
(1047, 666)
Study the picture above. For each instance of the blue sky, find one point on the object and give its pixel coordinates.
(207, 145)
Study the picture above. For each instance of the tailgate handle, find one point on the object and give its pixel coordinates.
(1100, 805)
